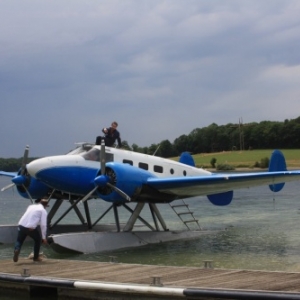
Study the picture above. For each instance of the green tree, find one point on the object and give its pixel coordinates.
(180, 144)
(213, 162)
(166, 149)
(125, 145)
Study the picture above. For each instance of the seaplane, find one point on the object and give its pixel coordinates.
(131, 181)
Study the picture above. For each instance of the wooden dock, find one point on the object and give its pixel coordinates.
(146, 278)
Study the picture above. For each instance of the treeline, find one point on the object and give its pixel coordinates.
(213, 138)
(230, 137)
(12, 164)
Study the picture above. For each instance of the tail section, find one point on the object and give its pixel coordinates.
(187, 159)
(277, 163)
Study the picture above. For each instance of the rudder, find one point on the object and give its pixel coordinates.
(277, 163)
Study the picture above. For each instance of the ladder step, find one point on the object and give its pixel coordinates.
(190, 221)
(180, 205)
(185, 213)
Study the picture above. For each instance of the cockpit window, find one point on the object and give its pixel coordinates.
(93, 154)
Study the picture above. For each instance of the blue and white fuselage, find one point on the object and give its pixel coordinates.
(146, 178)
(118, 176)
(76, 173)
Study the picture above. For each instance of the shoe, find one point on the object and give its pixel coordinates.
(16, 255)
(39, 259)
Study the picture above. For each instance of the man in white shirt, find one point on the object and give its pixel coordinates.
(35, 215)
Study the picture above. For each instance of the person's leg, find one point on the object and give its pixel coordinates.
(35, 235)
(98, 140)
(108, 142)
(22, 234)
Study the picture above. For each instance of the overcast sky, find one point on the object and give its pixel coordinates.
(159, 68)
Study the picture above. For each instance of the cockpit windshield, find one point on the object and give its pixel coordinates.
(93, 154)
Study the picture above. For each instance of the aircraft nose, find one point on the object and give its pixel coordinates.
(37, 165)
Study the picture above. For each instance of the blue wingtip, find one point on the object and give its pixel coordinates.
(187, 159)
(277, 163)
(221, 199)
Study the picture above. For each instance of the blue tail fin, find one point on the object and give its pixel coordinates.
(277, 163)
(187, 159)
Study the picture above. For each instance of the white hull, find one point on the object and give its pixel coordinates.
(92, 242)
(8, 233)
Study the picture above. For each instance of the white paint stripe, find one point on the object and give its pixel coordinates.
(126, 288)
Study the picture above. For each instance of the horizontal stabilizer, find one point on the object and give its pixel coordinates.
(187, 159)
(221, 199)
(277, 163)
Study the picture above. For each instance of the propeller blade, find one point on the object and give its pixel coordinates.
(102, 157)
(27, 192)
(25, 159)
(7, 187)
(87, 196)
(120, 192)
(21, 179)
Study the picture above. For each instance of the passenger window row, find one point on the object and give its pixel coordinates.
(144, 166)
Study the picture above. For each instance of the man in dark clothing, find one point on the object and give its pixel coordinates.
(111, 135)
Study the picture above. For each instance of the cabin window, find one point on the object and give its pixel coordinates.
(143, 166)
(158, 169)
(172, 171)
(184, 173)
(127, 161)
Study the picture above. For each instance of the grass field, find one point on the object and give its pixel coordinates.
(245, 159)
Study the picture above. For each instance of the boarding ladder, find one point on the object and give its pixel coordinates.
(184, 213)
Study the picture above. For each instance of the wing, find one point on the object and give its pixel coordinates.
(8, 174)
(185, 187)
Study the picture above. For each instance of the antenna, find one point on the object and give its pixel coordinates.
(156, 150)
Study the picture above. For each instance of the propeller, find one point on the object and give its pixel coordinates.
(102, 157)
(7, 187)
(104, 179)
(24, 161)
(22, 178)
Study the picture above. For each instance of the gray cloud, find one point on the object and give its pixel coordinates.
(160, 68)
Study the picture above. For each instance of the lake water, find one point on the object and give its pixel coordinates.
(262, 232)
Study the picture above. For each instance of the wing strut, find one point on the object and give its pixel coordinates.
(65, 213)
(136, 216)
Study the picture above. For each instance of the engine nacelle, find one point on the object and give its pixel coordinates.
(125, 177)
(35, 188)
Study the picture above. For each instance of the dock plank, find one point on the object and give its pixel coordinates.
(170, 275)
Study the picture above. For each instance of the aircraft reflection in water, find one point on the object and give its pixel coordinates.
(121, 177)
